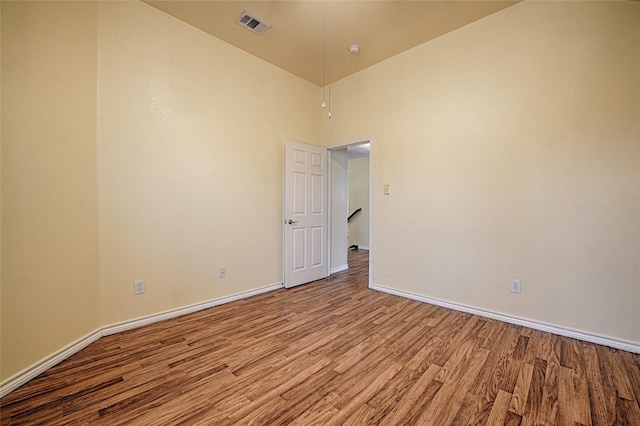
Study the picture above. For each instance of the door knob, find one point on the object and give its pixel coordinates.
(292, 222)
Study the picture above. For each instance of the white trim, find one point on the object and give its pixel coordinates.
(363, 248)
(19, 379)
(329, 165)
(338, 269)
(599, 340)
(358, 141)
(139, 322)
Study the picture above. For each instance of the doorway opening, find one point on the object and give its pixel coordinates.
(350, 201)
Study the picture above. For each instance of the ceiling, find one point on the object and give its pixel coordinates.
(295, 40)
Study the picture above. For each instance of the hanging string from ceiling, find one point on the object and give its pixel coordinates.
(324, 62)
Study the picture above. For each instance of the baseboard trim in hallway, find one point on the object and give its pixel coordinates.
(599, 340)
(338, 269)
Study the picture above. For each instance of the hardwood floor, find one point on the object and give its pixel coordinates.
(333, 352)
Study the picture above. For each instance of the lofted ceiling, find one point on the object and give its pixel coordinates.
(295, 40)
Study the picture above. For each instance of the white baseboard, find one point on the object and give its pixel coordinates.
(139, 322)
(19, 379)
(338, 269)
(600, 340)
(363, 248)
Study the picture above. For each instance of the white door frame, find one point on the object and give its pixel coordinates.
(345, 144)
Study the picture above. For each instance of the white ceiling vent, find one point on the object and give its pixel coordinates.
(252, 23)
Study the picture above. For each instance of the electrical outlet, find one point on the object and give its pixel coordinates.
(222, 273)
(138, 287)
(515, 286)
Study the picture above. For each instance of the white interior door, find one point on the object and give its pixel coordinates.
(305, 214)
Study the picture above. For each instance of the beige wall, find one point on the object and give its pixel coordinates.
(179, 175)
(190, 148)
(339, 206)
(512, 147)
(49, 199)
(359, 198)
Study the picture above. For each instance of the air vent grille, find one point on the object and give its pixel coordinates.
(252, 23)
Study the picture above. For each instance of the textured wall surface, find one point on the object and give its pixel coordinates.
(49, 192)
(512, 147)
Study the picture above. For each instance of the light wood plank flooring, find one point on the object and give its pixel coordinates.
(330, 353)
